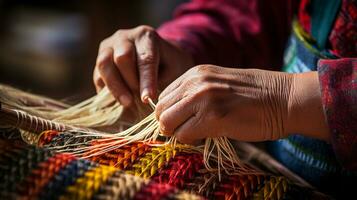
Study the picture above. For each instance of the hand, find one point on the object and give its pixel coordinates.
(242, 104)
(128, 64)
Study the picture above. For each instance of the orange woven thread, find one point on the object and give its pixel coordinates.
(45, 137)
(40, 176)
(238, 187)
(122, 157)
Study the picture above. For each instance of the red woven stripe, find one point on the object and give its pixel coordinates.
(238, 187)
(155, 191)
(180, 170)
(43, 174)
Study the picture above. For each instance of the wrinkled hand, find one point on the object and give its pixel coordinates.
(128, 63)
(242, 104)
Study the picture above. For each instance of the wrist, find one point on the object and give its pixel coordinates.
(305, 112)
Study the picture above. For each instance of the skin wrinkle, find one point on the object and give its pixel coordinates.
(243, 104)
(229, 104)
(242, 100)
(141, 71)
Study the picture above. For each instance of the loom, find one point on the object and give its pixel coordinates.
(79, 160)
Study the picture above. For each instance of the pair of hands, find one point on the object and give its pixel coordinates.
(206, 100)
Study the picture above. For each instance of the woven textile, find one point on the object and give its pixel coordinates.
(133, 171)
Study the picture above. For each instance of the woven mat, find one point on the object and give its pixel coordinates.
(134, 171)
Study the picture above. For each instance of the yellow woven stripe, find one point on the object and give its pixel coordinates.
(86, 186)
(153, 160)
(274, 188)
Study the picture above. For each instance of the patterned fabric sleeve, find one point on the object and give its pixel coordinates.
(232, 32)
(338, 80)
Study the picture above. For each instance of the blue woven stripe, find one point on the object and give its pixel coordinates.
(66, 177)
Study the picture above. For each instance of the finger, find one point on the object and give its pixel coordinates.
(176, 115)
(165, 102)
(147, 54)
(112, 78)
(97, 80)
(174, 85)
(124, 59)
(191, 131)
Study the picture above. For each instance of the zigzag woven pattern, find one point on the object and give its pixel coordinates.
(133, 171)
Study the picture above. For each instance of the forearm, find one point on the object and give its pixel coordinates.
(305, 110)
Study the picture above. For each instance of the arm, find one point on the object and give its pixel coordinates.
(232, 33)
(138, 62)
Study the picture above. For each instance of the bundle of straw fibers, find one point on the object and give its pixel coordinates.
(99, 111)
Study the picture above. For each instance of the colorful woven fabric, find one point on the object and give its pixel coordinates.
(133, 171)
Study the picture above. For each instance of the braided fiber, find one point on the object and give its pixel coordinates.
(16, 163)
(238, 187)
(156, 191)
(122, 157)
(120, 186)
(153, 160)
(55, 139)
(180, 170)
(40, 176)
(133, 171)
(274, 188)
(89, 183)
(204, 183)
(65, 177)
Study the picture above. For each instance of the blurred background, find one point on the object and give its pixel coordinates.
(50, 47)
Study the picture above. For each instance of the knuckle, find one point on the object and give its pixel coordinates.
(104, 43)
(207, 90)
(147, 32)
(200, 74)
(119, 33)
(103, 66)
(123, 56)
(104, 57)
(146, 59)
(204, 79)
(151, 34)
(202, 69)
(145, 28)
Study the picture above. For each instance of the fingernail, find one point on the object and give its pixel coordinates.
(125, 100)
(145, 95)
(162, 129)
